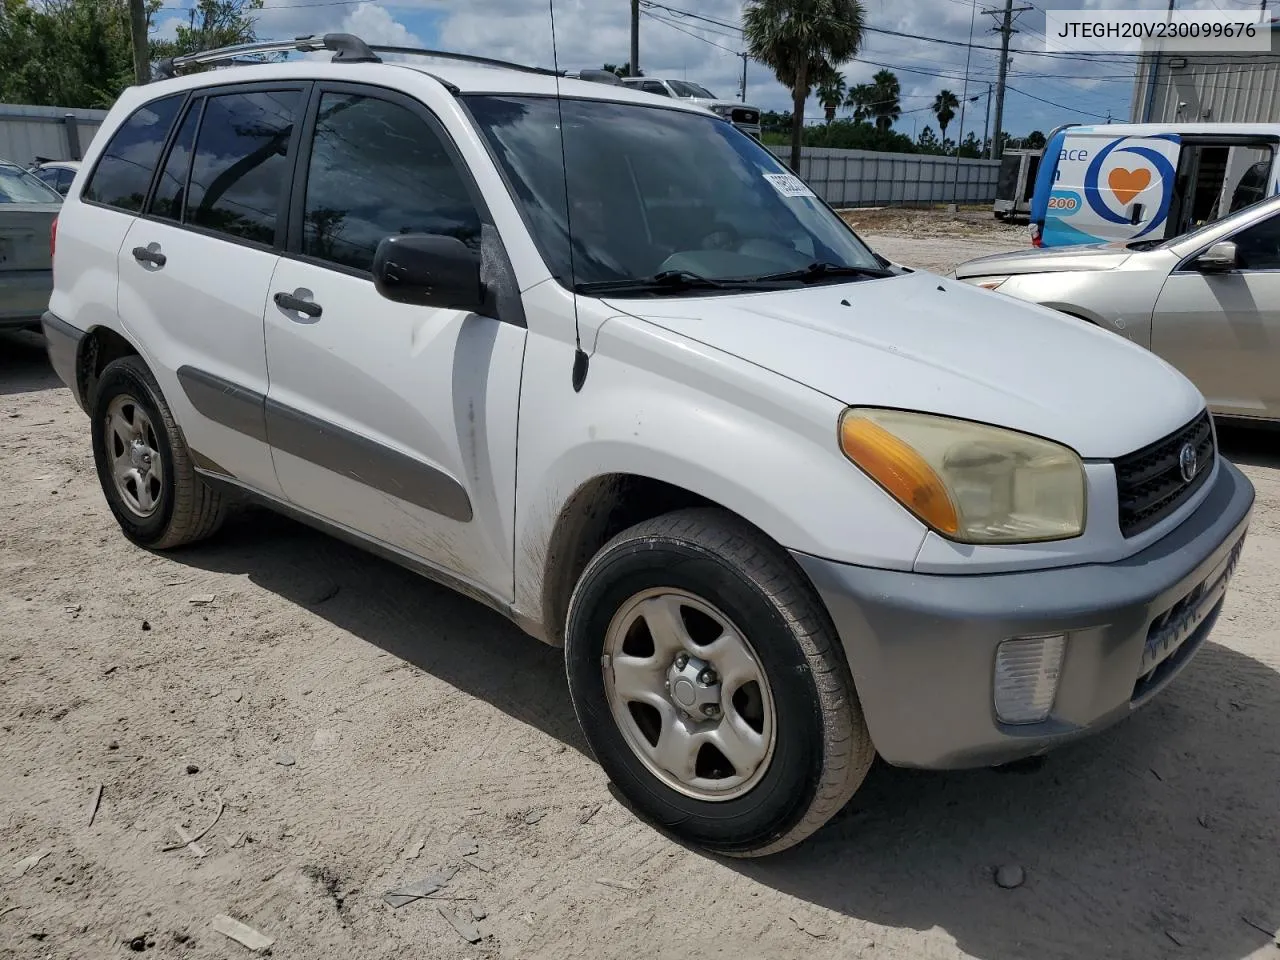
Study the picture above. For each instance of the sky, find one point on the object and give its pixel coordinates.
(1044, 91)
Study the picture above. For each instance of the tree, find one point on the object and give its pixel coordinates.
(945, 105)
(798, 39)
(622, 71)
(1035, 140)
(831, 92)
(886, 104)
(211, 24)
(859, 101)
(928, 141)
(78, 53)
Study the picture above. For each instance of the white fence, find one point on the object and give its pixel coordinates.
(54, 133)
(865, 178)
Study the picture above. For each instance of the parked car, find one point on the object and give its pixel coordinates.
(27, 211)
(746, 117)
(1207, 301)
(782, 506)
(1121, 182)
(56, 173)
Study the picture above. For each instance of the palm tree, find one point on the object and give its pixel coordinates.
(831, 92)
(859, 101)
(886, 104)
(944, 108)
(797, 39)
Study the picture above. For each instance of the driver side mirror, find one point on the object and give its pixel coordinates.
(428, 270)
(1220, 258)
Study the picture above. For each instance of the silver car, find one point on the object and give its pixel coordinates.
(27, 211)
(1208, 302)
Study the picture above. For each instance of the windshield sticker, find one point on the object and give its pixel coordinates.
(788, 185)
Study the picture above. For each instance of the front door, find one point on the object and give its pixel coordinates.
(396, 421)
(1223, 329)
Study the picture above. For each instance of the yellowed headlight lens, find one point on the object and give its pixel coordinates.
(970, 482)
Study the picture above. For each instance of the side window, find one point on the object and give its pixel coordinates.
(378, 169)
(241, 163)
(65, 177)
(653, 86)
(47, 175)
(1259, 245)
(124, 171)
(172, 188)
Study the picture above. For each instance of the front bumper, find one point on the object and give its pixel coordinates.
(922, 647)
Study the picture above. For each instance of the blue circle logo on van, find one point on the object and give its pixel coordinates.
(1126, 182)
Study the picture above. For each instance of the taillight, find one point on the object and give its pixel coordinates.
(53, 238)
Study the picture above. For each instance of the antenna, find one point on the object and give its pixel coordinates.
(580, 359)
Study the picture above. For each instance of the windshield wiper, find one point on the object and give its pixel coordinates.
(821, 271)
(667, 281)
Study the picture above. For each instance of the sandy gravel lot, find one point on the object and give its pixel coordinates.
(361, 727)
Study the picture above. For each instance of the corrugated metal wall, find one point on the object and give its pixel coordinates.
(865, 178)
(1211, 87)
(52, 132)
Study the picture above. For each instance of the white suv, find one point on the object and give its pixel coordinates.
(744, 116)
(784, 505)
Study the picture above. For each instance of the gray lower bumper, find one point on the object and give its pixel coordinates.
(922, 647)
(62, 341)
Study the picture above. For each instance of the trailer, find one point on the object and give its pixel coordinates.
(1016, 184)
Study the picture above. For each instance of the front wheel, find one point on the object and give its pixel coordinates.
(711, 686)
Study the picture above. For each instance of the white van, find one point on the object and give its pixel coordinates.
(1126, 182)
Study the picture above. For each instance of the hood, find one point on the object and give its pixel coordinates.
(729, 104)
(920, 342)
(1103, 256)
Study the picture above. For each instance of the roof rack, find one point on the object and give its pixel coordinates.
(348, 48)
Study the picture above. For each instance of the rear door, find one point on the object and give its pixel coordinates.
(195, 270)
(1110, 188)
(1223, 329)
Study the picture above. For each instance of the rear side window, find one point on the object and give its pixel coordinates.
(241, 163)
(124, 171)
(377, 169)
(172, 188)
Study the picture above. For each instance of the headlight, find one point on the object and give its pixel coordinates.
(987, 283)
(722, 109)
(968, 481)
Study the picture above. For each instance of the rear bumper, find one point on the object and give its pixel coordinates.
(24, 296)
(922, 648)
(62, 341)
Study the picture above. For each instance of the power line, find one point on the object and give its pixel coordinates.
(1060, 106)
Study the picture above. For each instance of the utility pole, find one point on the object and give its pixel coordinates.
(744, 76)
(635, 37)
(1005, 29)
(138, 32)
(986, 129)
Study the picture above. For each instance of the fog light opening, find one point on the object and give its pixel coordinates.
(1026, 677)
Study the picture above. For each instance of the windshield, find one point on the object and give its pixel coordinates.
(684, 88)
(656, 190)
(18, 186)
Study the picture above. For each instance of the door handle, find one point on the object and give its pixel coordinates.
(295, 304)
(147, 255)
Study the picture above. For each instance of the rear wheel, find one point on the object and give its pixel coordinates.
(711, 686)
(143, 463)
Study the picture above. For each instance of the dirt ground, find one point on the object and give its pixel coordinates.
(360, 728)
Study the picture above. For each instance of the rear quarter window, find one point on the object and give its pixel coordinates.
(123, 173)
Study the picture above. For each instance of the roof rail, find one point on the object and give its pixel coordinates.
(348, 48)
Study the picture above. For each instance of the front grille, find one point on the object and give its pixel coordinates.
(1150, 482)
(738, 115)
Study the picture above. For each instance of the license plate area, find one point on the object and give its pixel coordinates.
(1170, 631)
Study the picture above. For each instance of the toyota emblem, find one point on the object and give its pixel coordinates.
(1188, 462)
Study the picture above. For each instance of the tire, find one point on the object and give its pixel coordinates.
(161, 510)
(708, 564)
